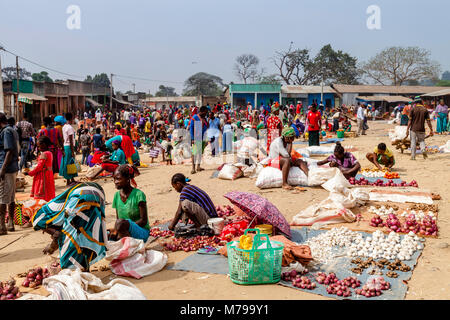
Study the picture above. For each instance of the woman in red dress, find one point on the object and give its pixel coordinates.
(274, 126)
(43, 181)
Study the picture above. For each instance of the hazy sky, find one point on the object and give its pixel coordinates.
(160, 39)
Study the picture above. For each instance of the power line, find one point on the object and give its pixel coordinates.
(39, 65)
(145, 79)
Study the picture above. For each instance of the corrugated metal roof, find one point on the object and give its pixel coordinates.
(291, 89)
(389, 99)
(439, 93)
(31, 96)
(93, 102)
(343, 88)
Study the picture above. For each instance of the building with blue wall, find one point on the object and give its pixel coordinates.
(256, 94)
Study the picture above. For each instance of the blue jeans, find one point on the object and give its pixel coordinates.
(24, 148)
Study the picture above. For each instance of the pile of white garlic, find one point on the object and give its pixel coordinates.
(322, 245)
(391, 247)
(373, 174)
(420, 215)
(382, 211)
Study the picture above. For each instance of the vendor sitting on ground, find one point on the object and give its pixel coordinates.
(194, 205)
(382, 155)
(346, 125)
(131, 206)
(345, 161)
(116, 159)
(281, 157)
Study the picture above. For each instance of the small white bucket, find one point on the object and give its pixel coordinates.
(216, 224)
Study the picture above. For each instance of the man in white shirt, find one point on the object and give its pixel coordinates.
(98, 116)
(126, 115)
(360, 119)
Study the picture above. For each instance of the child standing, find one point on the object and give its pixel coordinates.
(168, 147)
(43, 180)
(85, 142)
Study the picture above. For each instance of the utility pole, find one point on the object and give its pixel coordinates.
(111, 92)
(2, 102)
(17, 97)
(134, 87)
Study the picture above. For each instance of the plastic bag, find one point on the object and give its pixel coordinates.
(326, 212)
(297, 177)
(318, 176)
(269, 178)
(321, 150)
(130, 259)
(338, 183)
(230, 172)
(399, 133)
(77, 285)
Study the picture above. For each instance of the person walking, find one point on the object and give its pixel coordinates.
(27, 132)
(9, 166)
(416, 128)
(69, 151)
(360, 119)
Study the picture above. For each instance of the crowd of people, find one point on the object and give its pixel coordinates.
(111, 141)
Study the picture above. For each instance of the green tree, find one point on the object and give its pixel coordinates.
(166, 92)
(333, 67)
(9, 73)
(443, 83)
(396, 65)
(102, 80)
(42, 76)
(203, 84)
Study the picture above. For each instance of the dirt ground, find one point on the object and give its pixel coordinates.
(22, 249)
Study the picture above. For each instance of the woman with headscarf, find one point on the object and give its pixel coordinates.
(111, 163)
(76, 222)
(281, 156)
(274, 126)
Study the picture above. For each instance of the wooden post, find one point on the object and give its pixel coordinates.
(17, 97)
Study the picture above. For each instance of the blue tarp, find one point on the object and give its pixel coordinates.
(329, 141)
(216, 264)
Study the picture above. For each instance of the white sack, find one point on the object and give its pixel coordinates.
(230, 172)
(318, 176)
(129, 258)
(77, 285)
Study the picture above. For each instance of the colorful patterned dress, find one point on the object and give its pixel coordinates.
(273, 132)
(79, 213)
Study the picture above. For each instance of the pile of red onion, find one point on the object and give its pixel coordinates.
(338, 287)
(158, 233)
(35, 277)
(303, 282)
(193, 244)
(9, 291)
(381, 183)
(290, 276)
(376, 222)
(373, 287)
(427, 227)
(225, 211)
